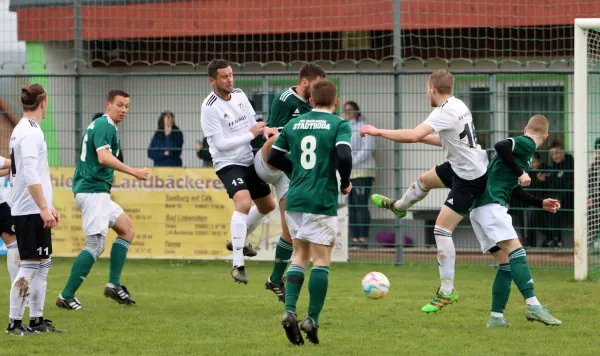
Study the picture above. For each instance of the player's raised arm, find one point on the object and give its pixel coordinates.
(404, 136)
(4, 166)
(211, 126)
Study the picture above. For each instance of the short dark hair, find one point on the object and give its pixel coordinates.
(557, 144)
(97, 116)
(311, 71)
(323, 93)
(215, 65)
(32, 96)
(113, 93)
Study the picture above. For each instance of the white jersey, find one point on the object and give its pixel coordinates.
(454, 123)
(230, 118)
(27, 142)
(2, 200)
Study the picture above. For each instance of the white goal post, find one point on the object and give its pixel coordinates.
(581, 147)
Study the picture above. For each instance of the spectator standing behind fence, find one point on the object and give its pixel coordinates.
(166, 145)
(120, 153)
(363, 174)
(560, 183)
(203, 153)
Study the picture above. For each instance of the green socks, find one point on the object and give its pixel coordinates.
(501, 288)
(81, 268)
(118, 255)
(283, 253)
(317, 287)
(295, 279)
(521, 273)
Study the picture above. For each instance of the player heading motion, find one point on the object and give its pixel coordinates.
(464, 172)
(33, 212)
(229, 124)
(493, 225)
(287, 105)
(92, 182)
(310, 147)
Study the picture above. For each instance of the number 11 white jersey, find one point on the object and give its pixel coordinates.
(454, 123)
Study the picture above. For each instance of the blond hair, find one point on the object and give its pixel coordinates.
(442, 81)
(538, 124)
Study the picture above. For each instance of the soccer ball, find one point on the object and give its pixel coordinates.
(375, 285)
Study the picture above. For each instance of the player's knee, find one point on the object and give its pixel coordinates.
(128, 232)
(266, 205)
(242, 201)
(94, 244)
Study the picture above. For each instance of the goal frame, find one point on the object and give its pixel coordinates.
(581, 145)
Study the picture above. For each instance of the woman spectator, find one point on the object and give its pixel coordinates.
(363, 174)
(167, 142)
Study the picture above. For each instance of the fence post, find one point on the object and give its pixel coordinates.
(398, 122)
(78, 35)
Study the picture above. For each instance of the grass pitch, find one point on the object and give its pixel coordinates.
(195, 308)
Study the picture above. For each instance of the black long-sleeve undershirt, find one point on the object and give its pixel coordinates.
(504, 150)
(279, 160)
(520, 194)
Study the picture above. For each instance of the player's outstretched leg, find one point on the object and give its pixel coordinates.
(446, 258)
(521, 275)
(500, 290)
(414, 194)
(82, 266)
(384, 202)
(114, 290)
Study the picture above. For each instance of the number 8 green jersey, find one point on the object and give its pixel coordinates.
(90, 176)
(310, 140)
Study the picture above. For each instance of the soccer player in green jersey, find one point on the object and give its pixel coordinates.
(92, 182)
(287, 105)
(310, 148)
(493, 225)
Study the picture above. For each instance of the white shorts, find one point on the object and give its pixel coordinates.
(314, 228)
(98, 212)
(492, 224)
(276, 178)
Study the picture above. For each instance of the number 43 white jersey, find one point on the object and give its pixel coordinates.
(454, 123)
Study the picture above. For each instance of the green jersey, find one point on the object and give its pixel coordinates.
(501, 180)
(90, 176)
(286, 106)
(310, 140)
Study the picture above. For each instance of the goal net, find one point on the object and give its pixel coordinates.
(587, 148)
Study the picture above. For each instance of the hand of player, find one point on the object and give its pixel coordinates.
(524, 180)
(551, 205)
(49, 219)
(56, 216)
(142, 174)
(257, 128)
(269, 132)
(346, 191)
(368, 130)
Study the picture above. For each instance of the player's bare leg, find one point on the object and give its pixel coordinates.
(283, 253)
(521, 275)
(500, 290)
(416, 192)
(118, 255)
(446, 257)
(294, 282)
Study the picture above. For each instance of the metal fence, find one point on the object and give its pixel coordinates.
(501, 103)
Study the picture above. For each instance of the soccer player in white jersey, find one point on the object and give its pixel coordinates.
(464, 172)
(7, 228)
(228, 123)
(33, 213)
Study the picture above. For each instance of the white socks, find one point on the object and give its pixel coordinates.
(413, 195)
(532, 301)
(239, 228)
(446, 257)
(37, 293)
(497, 315)
(21, 288)
(254, 219)
(12, 260)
